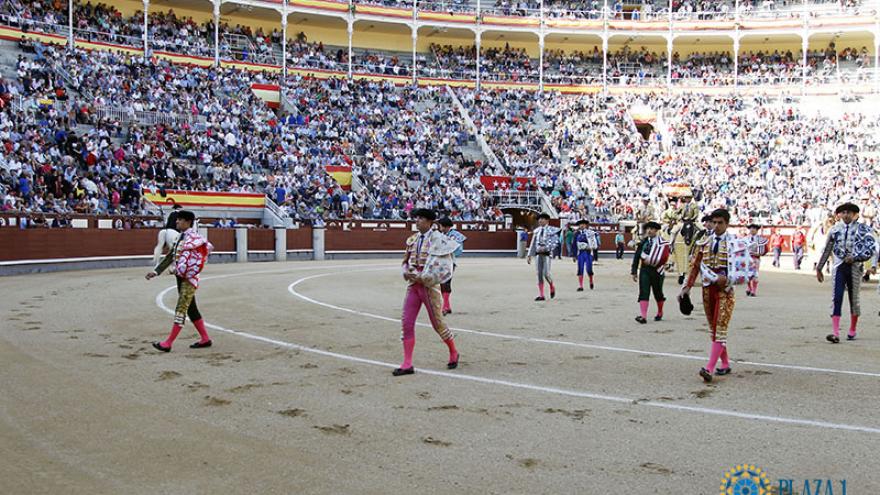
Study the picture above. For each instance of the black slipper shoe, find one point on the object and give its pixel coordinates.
(401, 371)
(539, 298)
(707, 377)
(658, 318)
(723, 371)
(453, 364)
(832, 338)
(641, 320)
(158, 346)
(201, 345)
(580, 289)
(850, 337)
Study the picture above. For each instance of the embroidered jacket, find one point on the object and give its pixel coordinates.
(853, 239)
(429, 256)
(459, 238)
(652, 251)
(189, 255)
(725, 255)
(757, 245)
(585, 240)
(544, 240)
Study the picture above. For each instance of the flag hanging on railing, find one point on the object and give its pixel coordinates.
(341, 174)
(493, 182)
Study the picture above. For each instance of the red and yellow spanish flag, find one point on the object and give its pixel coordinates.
(206, 199)
(341, 174)
(270, 93)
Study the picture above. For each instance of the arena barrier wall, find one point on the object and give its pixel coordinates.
(101, 242)
(35, 250)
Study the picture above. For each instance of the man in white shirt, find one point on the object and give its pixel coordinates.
(544, 240)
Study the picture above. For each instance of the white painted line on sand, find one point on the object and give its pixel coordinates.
(524, 386)
(811, 369)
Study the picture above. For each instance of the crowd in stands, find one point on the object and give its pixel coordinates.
(64, 153)
(405, 144)
(496, 64)
(653, 9)
(626, 66)
(767, 163)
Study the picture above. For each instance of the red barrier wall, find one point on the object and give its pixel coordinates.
(261, 240)
(222, 239)
(300, 238)
(36, 244)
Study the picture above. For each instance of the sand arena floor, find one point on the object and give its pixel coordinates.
(296, 396)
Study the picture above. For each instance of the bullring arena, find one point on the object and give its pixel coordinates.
(217, 218)
(296, 396)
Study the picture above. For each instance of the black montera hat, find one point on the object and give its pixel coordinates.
(651, 225)
(685, 305)
(847, 207)
(186, 215)
(424, 213)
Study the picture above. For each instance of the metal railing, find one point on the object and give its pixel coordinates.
(510, 198)
(481, 141)
(30, 25)
(90, 35)
(145, 117)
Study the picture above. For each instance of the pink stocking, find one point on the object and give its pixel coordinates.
(853, 322)
(408, 346)
(725, 362)
(835, 325)
(714, 354)
(541, 289)
(203, 333)
(581, 281)
(643, 308)
(175, 331)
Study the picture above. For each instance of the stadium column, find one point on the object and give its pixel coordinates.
(146, 31)
(877, 55)
(541, 47)
(284, 45)
(477, 31)
(735, 63)
(736, 47)
(216, 33)
(670, 38)
(541, 61)
(415, 38)
(805, 45)
(605, 61)
(478, 38)
(70, 24)
(350, 34)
